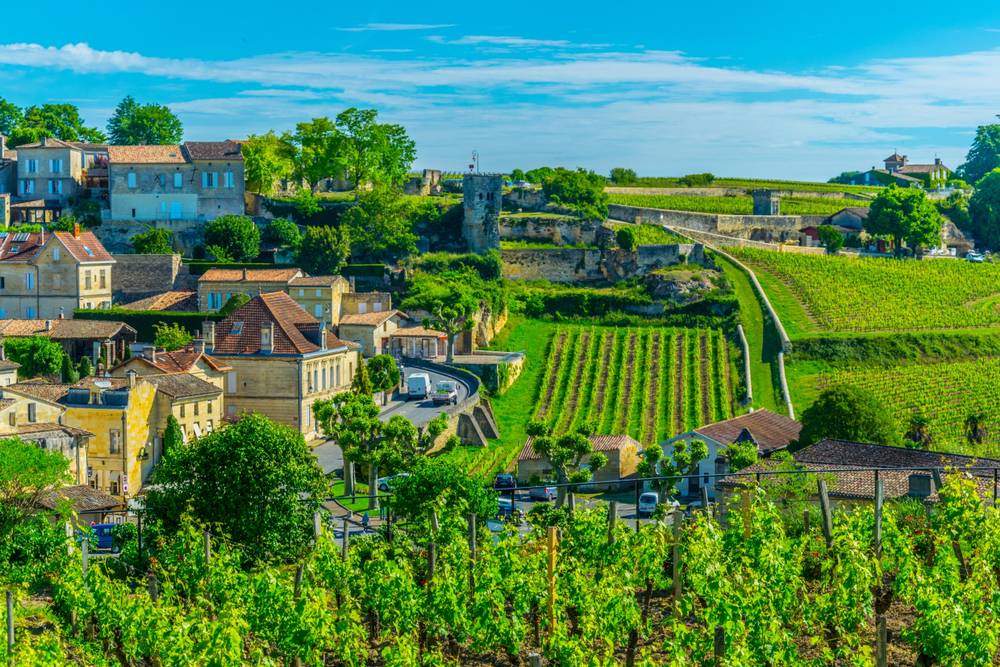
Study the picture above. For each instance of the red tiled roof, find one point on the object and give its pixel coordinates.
(85, 248)
(252, 275)
(146, 154)
(770, 430)
(599, 443)
(289, 321)
(82, 497)
(65, 329)
(417, 332)
(845, 452)
(369, 319)
(317, 281)
(182, 361)
(921, 168)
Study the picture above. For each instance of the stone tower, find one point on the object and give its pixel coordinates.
(483, 195)
(766, 202)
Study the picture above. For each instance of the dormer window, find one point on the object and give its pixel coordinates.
(237, 328)
(88, 251)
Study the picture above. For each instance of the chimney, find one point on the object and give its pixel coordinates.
(76, 230)
(150, 353)
(131, 375)
(350, 279)
(48, 325)
(45, 141)
(208, 335)
(199, 345)
(267, 337)
(3, 352)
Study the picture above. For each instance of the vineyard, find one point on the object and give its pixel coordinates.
(752, 183)
(648, 383)
(763, 588)
(742, 205)
(872, 294)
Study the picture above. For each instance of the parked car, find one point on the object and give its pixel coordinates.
(504, 482)
(446, 391)
(418, 386)
(976, 257)
(385, 483)
(545, 493)
(648, 502)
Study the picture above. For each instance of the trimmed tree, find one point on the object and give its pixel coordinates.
(384, 374)
(684, 461)
(832, 239)
(171, 336)
(69, 373)
(85, 367)
(846, 412)
(282, 232)
(36, 355)
(323, 250)
(236, 234)
(173, 436)
(351, 419)
(362, 382)
(153, 242)
(571, 456)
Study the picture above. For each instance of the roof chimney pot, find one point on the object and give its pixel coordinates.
(76, 230)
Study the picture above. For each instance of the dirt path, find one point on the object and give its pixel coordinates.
(569, 405)
(559, 348)
(602, 385)
(728, 398)
(626, 397)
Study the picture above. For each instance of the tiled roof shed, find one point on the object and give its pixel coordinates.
(599, 443)
(770, 430)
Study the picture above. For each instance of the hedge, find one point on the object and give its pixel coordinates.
(143, 320)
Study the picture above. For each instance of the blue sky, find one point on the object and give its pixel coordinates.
(767, 89)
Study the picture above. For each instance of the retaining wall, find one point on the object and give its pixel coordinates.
(138, 276)
(554, 229)
(734, 192)
(762, 227)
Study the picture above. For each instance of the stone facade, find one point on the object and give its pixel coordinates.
(766, 202)
(49, 169)
(116, 235)
(483, 200)
(585, 265)
(550, 228)
(758, 227)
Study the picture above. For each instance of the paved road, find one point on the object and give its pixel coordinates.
(421, 412)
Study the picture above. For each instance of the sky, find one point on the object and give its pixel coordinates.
(774, 88)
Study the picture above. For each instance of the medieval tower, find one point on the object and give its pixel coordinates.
(483, 198)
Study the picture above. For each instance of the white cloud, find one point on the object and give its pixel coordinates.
(396, 27)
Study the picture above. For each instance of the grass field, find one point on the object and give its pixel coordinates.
(733, 205)
(850, 294)
(648, 382)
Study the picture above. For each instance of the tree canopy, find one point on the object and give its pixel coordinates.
(379, 227)
(570, 455)
(266, 159)
(452, 300)
(324, 250)
(37, 355)
(153, 241)
(984, 211)
(847, 412)
(30, 124)
(133, 124)
(384, 372)
(256, 480)
(984, 155)
(906, 216)
(374, 153)
(283, 233)
(237, 235)
(580, 190)
(171, 336)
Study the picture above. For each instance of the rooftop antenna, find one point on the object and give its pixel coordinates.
(474, 166)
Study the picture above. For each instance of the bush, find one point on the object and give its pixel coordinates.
(282, 232)
(144, 321)
(324, 250)
(37, 355)
(171, 336)
(153, 242)
(488, 266)
(696, 180)
(623, 176)
(625, 237)
(830, 237)
(237, 235)
(580, 190)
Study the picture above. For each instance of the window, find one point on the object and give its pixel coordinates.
(131, 184)
(182, 409)
(163, 180)
(55, 254)
(338, 375)
(115, 440)
(324, 377)
(319, 292)
(55, 186)
(32, 413)
(31, 166)
(362, 308)
(228, 182)
(315, 380)
(55, 166)
(197, 429)
(318, 310)
(196, 409)
(237, 328)
(13, 418)
(302, 292)
(209, 427)
(178, 180)
(104, 282)
(231, 383)
(29, 280)
(27, 186)
(133, 213)
(209, 179)
(163, 209)
(86, 280)
(377, 307)
(30, 312)
(113, 487)
(209, 410)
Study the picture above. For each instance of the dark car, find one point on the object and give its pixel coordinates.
(504, 482)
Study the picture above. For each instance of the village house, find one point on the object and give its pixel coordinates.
(196, 404)
(898, 170)
(623, 454)
(216, 286)
(371, 331)
(41, 423)
(320, 295)
(283, 360)
(97, 339)
(418, 342)
(769, 431)
(49, 274)
(87, 504)
(191, 360)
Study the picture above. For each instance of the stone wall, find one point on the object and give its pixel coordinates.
(555, 229)
(138, 276)
(760, 227)
(482, 196)
(734, 192)
(583, 265)
(116, 235)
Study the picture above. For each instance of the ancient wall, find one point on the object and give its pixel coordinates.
(555, 229)
(734, 192)
(138, 276)
(580, 265)
(116, 235)
(774, 227)
(528, 199)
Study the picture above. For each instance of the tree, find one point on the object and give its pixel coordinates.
(975, 428)
(234, 303)
(918, 433)
(37, 355)
(11, 117)
(984, 211)
(351, 420)
(236, 234)
(313, 150)
(984, 155)
(682, 463)
(904, 215)
(453, 315)
(173, 436)
(324, 250)
(571, 456)
(171, 336)
(219, 254)
(625, 237)
(265, 161)
(362, 383)
(379, 228)
(61, 121)
(134, 123)
(374, 153)
(282, 233)
(846, 412)
(65, 223)
(306, 204)
(741, 455)
(434, 484)
(85, 367)
(384, 372)
(402, 442)
(256, 480)
(580, 190)
(623, 176)
(831, 237)
(518, 175)
(153, 241)
(68, 372)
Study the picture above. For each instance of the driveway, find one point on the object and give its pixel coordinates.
(421, 412)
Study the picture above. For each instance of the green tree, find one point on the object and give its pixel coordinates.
(439, 485)
(11, 117)
(918, 433)
(173, 436)
(171, 336)
(323, 250)
(984, 211)
(306, 204)
(453, 315)
(571, 455)
(314, 151)
(153, 241)
(623, 176)
(374, 153)
(351, 420)
(219, 254)
(68, 372)
(517, 175)
(134, 123)
(61, 121)
(904, 215)
(625, 237)
(384, 372)
(236, 234)
(975, 428)
(362, 382)
(831, 237)
(683, 462)
(379, 228)
(984, 155)
(402, 442)
(282, 232)
(65, 223)
(846, 412)
(580, 190)
(266, 159)
(234, 303)
(741, 455)
(85, 367)
(37, 355)
(265, 503)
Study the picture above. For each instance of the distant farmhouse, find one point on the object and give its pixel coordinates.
(898, 170)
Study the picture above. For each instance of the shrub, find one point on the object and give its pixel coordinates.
(237, 235)
(625, 237)
(153, 242)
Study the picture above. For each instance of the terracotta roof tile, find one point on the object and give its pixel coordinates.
(250, 275)
(41, 390)
(417, 332)
(240, 332)
(85, 248)
(770, 431)
(174, 300)
(146, 154)
(844, 452)
(213, 150)
(317, 281)
(369, 319)
(600, 443)
(66, 329)
(82, 497)
(35, 429)
(181, 361)
(183, 385)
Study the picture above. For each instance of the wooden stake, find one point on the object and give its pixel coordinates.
(299, 571)
(346, 541)
(638, 491)
(571, 502)
(704, 499)
(473, 555)
(431, 562)
(720, 645)
(552, 547)
(806, 518)
(879, 500)
(612, 521)
(153, 586)
(678, 517)
(881, 647)
(317, 525)
(85, 549)
(208, 547)
(824, 503)
(10, 621)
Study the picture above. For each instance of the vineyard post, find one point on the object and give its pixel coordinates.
(612, 521)
(152, 586)
(571, 504)
(879, 500)
(345, 542)
(720, 645)
(678, 517)
(138, 541)
(297, 661)
(637, 488)
(10, 622)
(534, 660)
(208, 547)
(996, 479)
(473, 553)
(704, 499)
(824, 502)
(69, 539)
(432, 549)
(881, 648)
(317, 526)
(551, 542)
(747, 509)
(85, 551)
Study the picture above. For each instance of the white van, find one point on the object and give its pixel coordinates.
(418, 386)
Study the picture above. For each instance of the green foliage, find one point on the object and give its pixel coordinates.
(373, 152)
(984, 155)
(68, 372)
(11, 117)
(424, 290)
(732, 204)
(324, 250)
(956, 209)
(153, 241)
(697, 180)
(452, 300)
(623, 176)
(488, 266)
(173, 436)
(433, 484)
(37, 355)
(362, 382)
(282, 232)
(831, 237)
(152, 124)
(571, 456)
(144, 321)
(266, 502)
(85, 368)
(236, 234)
(905, 216)
(378, 227)
(984, 210)
(313, 150)
(61, 121)
(741, 455)
(64, 223)
(384, 372)
(171, 336)
(625, 238)
(234, 303)
(265, 161)
(845, 177)
(684, 461)
(580, 190)
(896, 347)
(306, 204)
(846, 412)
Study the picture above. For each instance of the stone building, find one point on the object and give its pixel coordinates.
(482, 195)
(623, 454)
(216, 286)
(40, 423)
(79, 338)
(320, 296)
